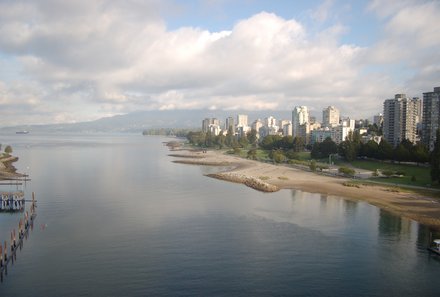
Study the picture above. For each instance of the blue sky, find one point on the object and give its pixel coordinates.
(218, 15)
(79, 60)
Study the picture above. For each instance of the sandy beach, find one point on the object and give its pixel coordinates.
(269, 178)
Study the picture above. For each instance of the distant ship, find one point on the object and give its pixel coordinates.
(22, 132)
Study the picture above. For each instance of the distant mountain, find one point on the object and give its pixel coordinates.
(138, 121)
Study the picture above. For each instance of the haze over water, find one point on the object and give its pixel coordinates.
(116, 217)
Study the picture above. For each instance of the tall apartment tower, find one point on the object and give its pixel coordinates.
(300, 116)
(431, 117)
(400, 119)
(330, 116)
(230, 123)
(242, 120)
(205, 124)
(208, 122)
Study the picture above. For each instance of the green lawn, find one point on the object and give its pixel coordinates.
(421, 174)
(304, 156)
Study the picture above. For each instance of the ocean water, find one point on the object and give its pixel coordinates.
(116, 217)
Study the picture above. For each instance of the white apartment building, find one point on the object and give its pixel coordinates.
(242, 120)
(287, 128)
(400, 119)
(340, 132)
(270, 121)
(300, 116)
(330, 116)
(257, 124)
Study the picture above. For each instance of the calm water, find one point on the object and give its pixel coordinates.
(117, 218)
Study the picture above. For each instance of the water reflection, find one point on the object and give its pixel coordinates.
(125, 221)
(389, 224)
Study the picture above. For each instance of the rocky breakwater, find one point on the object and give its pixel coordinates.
(249, 181)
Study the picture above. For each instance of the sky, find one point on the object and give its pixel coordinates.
(80, 60)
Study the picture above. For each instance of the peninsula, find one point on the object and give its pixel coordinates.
(267, 177)
(7, 169)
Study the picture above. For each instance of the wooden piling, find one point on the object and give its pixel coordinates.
(25, 223)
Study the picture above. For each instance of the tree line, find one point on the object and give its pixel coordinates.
(352, 148)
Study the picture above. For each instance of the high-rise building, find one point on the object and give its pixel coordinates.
(230, 123)
(287, 128)
(430, 117)
(270, 121)
(378, 120)
(257, 124)
(209, 121)
(205, 125)
(330, 116)
(242, 120)
(341, 131)
(400, 119)
(300, 116)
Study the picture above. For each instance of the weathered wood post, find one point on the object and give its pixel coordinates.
(6, 251)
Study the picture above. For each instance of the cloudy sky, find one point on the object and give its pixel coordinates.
(79, 60)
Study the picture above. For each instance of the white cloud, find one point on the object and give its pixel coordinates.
(322, 13)
(90, 58)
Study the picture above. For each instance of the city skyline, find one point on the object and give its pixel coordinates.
(74, 61)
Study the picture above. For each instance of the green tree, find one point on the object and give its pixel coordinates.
(277, 156)
(312, 165)
(196, 138)
(252, 136)
(370, 149)
(351, 146)
(271, 142)
(435, 159)
(243, 142)
(374, 130)
(291, 154)
(316, 151)
(230, 137)
(298, 144)
(327, 147)
(209, 139)
(252, 154)
(287, 142)
(220, 140)
(347, 171)
(385, 150)
(420, 153)
(401, 153)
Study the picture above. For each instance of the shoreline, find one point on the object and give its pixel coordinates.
(7, 170)
(270, 178)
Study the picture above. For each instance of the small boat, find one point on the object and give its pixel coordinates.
(435, 247)
(22, 132)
